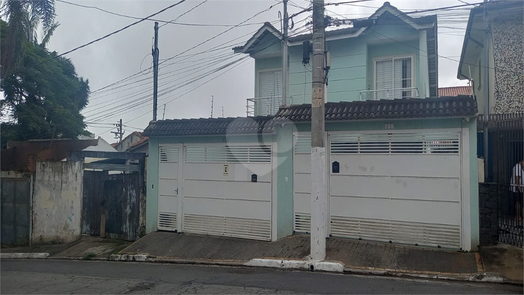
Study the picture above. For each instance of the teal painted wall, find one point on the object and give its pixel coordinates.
(285, 188)
(152, 186)
(352, 66)
(380, 125)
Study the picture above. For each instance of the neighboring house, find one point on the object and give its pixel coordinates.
(455, 91)
(134, 142)
(506, 51)
(388, 55)
(399, 157)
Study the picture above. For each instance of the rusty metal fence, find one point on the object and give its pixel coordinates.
(504, 171)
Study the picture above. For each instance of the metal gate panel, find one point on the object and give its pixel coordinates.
(168, 187)
(302, 182)
(228, 190)
(15, 211)
(397, 186)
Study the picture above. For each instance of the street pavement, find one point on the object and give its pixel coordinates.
(83, 277)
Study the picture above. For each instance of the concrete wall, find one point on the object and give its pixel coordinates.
(508, 53)
(57, 202)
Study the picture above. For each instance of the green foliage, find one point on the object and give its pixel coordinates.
(43, 95)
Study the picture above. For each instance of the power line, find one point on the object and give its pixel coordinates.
(165, 22)
(178, 17)
(120, 30)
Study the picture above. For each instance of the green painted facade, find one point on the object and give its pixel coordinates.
(352, 63)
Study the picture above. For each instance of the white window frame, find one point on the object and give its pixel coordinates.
(393, 57)
(257, 90)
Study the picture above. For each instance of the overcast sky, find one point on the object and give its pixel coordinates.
(187, 82)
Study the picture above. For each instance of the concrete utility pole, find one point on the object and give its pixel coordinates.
(155, 73)
(318, 148)
(485, 88)
(285, 63)
(119, 133)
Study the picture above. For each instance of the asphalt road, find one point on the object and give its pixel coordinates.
(82, 277)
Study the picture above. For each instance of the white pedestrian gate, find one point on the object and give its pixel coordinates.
(302, 182)
(398, 186)
(226, 190)
(168, 167)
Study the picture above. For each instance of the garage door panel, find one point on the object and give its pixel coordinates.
(302, 183)
(302, 203)
(244, 171)
(255, 191)
(227, 208)
(167, 187)
(204, 171)
(360, 207)
(237, 172)
(425, 212)
(302, 163)
(439, 189)
(168, 170)
(433, 165)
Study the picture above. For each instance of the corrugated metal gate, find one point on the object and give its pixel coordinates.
(15, 203)
(118, 196)
(403, 187)
(225, 190)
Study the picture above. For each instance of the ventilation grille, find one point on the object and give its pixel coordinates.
(167, 221)
(302, 222)
(427, 234)
(396, 143)
(254, 229)
(225, 154)
(168, 153)
(303, 144)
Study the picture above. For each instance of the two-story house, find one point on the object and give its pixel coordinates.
(398, 156)
(505, 65)
(388, 55)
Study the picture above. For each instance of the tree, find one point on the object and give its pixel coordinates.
(43, 95)
(23, 17)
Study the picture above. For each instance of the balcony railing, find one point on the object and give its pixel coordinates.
(397, 93)
(263, 106)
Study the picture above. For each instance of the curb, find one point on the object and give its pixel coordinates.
(465, 277)
(24, 255)
(289, 264)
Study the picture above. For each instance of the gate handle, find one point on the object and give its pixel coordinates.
(177, 190)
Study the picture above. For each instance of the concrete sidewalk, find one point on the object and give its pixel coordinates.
(501, 263)
(356, 256)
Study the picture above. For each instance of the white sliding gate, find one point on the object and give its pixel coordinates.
(399, 186)
(226, 190)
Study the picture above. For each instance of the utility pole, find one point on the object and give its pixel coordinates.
(155, 73)
(485, 88)
(285, 63)
(119, 133)
(318, 148)
(212, 101)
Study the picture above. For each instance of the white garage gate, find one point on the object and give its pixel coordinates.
(399, 186)
(226, 189)
(403, 187)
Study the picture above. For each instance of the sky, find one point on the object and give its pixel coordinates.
(194, 51)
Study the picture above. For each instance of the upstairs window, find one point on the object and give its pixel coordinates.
(394, 78)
